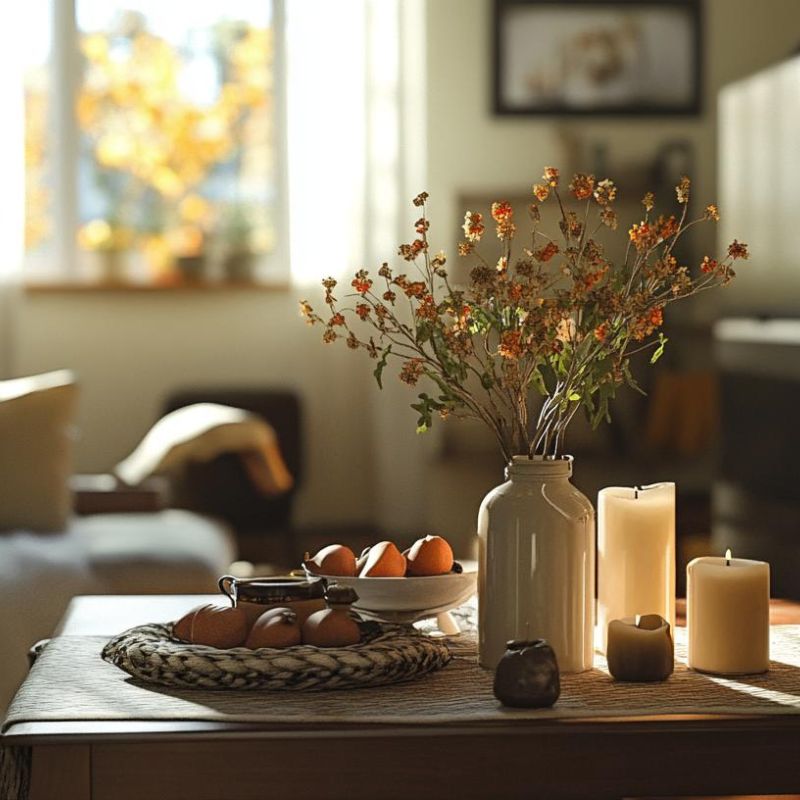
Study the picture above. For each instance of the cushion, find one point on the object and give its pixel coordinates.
(36, 417)
(201, 432)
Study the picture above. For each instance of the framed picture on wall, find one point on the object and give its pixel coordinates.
(597, 57)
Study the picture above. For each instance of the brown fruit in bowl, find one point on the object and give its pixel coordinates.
(277, 627)
(384, 561)
(431, 555)
(215, 626)
(335, 559)
(331, 628)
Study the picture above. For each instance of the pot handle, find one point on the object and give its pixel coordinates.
(227, 585)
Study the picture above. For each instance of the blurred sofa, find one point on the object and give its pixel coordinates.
(48, 555)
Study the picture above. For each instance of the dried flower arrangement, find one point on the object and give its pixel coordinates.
(559, 318)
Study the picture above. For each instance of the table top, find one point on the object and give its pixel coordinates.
(718, 754)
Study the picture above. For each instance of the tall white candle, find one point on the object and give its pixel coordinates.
(636, 554)
(727, 615)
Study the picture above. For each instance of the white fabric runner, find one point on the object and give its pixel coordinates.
(70, 682)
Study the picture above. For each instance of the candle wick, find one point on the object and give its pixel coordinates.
(635, 492)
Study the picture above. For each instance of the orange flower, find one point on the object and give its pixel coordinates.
(712, 212)
(501, 212)
(415, 289)
(542, 191)
(473, 226)
(682, 190)
(738, 250)
(337, 319)
(708, 264)
(642, 235)
(361, 283)
(427, 309)
(545, 253)
(601, 332)
(550, 176)
(656, 317)
(582, 185)
(411, 371)
(605, 192)
(667, 227)
(363, 311)
(510, 344)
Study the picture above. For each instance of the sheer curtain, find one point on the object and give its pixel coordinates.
(12, 197)
(356, 145)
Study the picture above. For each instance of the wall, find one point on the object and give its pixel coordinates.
(470, 150)
(131, 350)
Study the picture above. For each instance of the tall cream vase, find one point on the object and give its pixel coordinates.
(536, 538)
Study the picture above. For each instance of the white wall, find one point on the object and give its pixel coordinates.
(131, 350)
(470, 150)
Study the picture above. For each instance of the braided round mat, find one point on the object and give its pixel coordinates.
(386, 654)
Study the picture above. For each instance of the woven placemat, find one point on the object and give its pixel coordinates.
(386, 654)
(70, 681)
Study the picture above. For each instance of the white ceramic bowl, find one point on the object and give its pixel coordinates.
(411, 599)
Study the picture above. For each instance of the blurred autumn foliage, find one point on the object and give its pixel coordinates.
(164, 154)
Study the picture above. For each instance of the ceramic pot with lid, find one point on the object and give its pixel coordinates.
(257, 595)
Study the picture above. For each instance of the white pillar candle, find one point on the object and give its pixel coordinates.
(727, 615)
(636, 554)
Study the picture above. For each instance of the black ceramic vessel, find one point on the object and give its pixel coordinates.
(527, 675)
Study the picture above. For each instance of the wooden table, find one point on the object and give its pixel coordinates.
(597, 758)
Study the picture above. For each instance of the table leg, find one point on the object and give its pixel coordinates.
(62, 771)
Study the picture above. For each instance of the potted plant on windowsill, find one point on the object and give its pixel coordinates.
(109, 242)
(551, 315)
(238, 263)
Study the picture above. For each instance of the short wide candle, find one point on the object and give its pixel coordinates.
(727, 615)
(640, 649)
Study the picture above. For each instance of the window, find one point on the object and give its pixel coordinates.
(152, 140)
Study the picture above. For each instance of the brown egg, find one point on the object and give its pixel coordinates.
(216, 626)
(384, 561)
(335, 559)
(277, 627)
(431, 555)
(332, 627)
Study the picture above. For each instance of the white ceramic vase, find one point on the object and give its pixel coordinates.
(536, 537)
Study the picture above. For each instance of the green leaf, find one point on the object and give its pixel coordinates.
(381, 366)
(537, 379)
(573, 397)
(630, 380)
(659, 351)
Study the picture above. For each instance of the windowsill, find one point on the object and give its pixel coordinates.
(73, 287)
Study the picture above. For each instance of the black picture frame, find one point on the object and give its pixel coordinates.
(690, 103)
